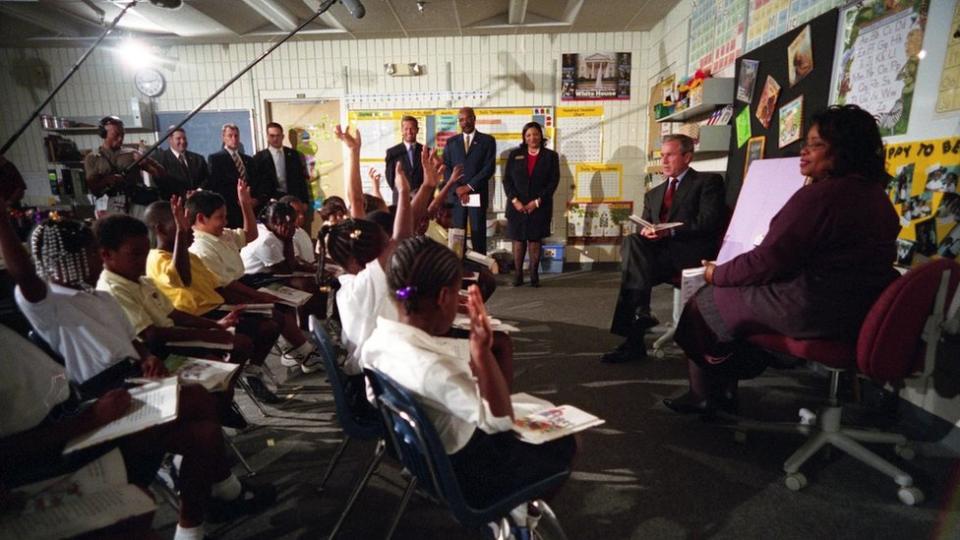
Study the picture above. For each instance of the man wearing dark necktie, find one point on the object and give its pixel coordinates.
(280, 170)
(226, 167)
(409, 152)
(186, 170)
(651, 257)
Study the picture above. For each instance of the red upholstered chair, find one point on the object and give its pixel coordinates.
(898, 339)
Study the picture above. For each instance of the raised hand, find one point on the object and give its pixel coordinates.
(243, 193)
(180, 214)
(350, 141)
(481, 335)
(401, 181)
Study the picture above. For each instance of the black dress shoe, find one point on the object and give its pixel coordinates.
(535, 281)
(624, 353)
(644, 321)
(517, 281)
(688, 404)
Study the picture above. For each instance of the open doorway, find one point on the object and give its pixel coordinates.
(309, 126)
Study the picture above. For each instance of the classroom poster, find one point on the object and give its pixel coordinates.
(923, 188)
(948, 94)
(598, 220)
(717, 30)
(878, 64)
(597, 182)
(594, 76)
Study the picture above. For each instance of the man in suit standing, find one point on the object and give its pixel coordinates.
(651, 257)
(280, 170)
(226, 168)
(407, 153)
(476, 152)
(186, 170)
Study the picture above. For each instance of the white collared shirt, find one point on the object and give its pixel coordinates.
(303, 246)
(264, 252)
(141, 301)
(221, 254)
(362, 297)
(31, 386)
(437, 370)
(280, 165)
(88, 329)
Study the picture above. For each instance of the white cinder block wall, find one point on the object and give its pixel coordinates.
(516, 70)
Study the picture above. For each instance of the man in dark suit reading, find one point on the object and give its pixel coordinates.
(280, 170)
(186, 170)
(651, 257)
(476, 152)
(226, 167)
(407, 153)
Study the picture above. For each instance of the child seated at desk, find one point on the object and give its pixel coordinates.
(90, 331)
(219, 250)
(183, 278)
(124, 246)
(459, 382)
(273, 253)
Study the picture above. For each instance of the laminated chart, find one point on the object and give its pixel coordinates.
(580, 134)
(597, 182)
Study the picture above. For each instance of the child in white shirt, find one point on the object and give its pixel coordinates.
(458, 382)
(303, 248)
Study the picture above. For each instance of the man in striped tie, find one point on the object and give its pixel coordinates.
(226, 168)
(652, 256)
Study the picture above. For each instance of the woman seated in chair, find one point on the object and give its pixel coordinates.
(828, 255)
(459, 382)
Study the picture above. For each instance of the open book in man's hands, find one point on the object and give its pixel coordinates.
(655, 226)
(550, 422)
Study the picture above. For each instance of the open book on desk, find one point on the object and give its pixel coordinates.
(655, 226)
(212, 375)
(152, 404)
(538, 421)
(287, 295)
(91, 498)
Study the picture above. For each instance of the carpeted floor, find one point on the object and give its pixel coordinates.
(646, 473)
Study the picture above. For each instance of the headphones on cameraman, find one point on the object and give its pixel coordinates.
(106, 121)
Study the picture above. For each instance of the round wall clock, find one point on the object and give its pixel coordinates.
(149, 82)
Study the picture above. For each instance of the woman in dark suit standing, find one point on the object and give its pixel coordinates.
(531, 176)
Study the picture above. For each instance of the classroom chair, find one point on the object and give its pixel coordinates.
(898, 339)
(414, 441)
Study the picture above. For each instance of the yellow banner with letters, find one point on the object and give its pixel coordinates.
(924, 189)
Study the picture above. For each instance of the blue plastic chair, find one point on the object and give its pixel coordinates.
(356, 425)
(414, 440)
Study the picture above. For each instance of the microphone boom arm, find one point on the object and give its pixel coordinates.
(324, 6)
(13, 138)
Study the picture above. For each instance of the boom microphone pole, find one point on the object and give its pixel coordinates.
(321, 9)
(13, 138)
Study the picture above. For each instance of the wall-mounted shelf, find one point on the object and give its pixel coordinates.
(713, 139)
(711, 94)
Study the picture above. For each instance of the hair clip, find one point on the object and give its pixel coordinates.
(406, 292)
(355, 234)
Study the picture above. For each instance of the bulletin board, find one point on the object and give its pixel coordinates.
(814, 88)
(597, 222)
(878, 59)
(924, 189)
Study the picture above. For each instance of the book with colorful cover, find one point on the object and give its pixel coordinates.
(549, 423)
(287, 295)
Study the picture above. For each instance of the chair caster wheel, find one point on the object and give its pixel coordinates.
(659, 354)
(910, 496)
(905, 451)
(740, 436)
(795, 481)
